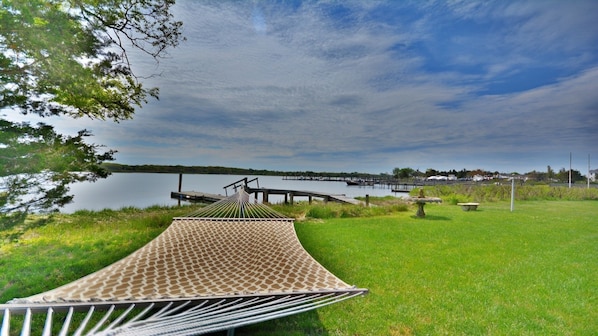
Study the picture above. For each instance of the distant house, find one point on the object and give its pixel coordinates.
(593, 175)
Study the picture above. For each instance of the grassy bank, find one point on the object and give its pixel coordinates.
(532, 271)
(50, 251)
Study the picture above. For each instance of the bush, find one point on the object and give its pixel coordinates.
(378, 206)
(321, 212)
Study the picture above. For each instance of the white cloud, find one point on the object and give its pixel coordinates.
(264, 85)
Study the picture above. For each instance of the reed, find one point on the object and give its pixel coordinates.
(456, 193)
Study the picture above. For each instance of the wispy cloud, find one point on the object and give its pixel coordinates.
(370, 86)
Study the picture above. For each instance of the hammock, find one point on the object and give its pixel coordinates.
(230, 264)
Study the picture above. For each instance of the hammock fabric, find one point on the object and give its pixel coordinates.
(229, 264)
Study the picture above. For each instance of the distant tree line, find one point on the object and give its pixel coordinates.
(398, 173)
(551, 176)
(406, 173)
(179, 169)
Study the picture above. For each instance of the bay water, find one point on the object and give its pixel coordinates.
(142, 190)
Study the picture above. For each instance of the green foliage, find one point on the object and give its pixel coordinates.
(68, 58)
(318, 210)
(403, 173)
(49, 251)
(563, 175)
(36, 173)
(456, 193)
(323, 212)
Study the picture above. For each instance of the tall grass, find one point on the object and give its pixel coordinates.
(66, 247)
(456, 193)
(380, 206)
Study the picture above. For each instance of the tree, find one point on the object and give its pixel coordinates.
(69, 58)
(537, 176)
(402, 173)
(462, 173)
(563, 175)
(549, 173)
(475, 172)
(431, 172)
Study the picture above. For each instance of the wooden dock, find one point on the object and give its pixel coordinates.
(289, 195)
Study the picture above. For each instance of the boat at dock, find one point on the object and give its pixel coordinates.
(359, 183)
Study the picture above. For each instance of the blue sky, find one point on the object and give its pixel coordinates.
(369, 86)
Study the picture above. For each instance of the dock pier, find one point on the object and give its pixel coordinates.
(289, 195)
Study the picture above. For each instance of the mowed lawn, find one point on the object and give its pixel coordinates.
(533, 271)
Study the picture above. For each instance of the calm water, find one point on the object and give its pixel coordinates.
(142, 189)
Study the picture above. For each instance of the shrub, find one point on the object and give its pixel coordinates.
(378, 206)
(321, 212)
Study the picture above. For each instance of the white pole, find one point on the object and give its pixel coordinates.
(512, 193)
(588, 171)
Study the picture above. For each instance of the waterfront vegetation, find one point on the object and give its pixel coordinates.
(496, 192)
(532, 271)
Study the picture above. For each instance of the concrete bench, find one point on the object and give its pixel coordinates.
(468, 206)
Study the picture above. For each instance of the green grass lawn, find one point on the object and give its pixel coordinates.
(533, 271)
(530, 272)
(66, 247)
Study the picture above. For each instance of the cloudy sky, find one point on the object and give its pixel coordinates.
(371, 85)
